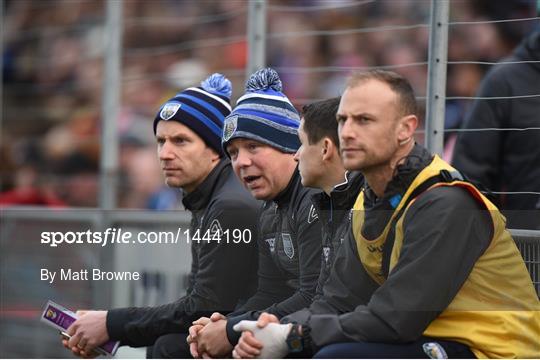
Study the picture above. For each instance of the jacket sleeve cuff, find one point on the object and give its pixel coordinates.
(232, 335)
(116, 319)
(325, 329)
(300, 317)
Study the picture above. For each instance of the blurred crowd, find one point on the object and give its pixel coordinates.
(53, 75)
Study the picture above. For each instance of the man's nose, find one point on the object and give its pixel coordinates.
(345, 130)
(243, 159)
(165, 151)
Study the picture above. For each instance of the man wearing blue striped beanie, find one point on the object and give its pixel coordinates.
(202, 109)
(188, 132)
(264, 114)
(261, 136)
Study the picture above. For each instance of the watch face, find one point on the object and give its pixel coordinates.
(296, 344)
(294, 340)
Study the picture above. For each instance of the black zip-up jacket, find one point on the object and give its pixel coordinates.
(289, 256)
(507, 161)
(440, 222)
(335, 216)
(222, 274)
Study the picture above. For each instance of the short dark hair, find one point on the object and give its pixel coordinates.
(320, 120)
(400, 85)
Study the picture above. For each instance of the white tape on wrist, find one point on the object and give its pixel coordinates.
(273, 337)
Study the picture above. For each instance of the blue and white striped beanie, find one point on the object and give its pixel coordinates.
(202, 109)
(264, 114)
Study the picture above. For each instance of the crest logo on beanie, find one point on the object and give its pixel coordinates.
(265, 114)
(231, 124)
(169, 110)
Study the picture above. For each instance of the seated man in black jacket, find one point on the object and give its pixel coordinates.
(188, 132)
(321, 168)
(261, 138)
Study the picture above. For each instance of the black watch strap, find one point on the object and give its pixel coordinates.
(294, 340)
(306, 338)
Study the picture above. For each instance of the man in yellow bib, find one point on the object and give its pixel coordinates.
(428, 269)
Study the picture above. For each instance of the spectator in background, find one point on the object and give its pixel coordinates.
(28, 191)
(507, 160)
(30, 183)
(78, 180)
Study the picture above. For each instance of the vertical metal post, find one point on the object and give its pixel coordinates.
(2, 36)
(111, 102)
(436, 86)
(256, 34)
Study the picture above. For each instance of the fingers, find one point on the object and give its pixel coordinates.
(74, 340)
(202, 321)
(73, 349)
(266, 319)
(217, 316)
(76, 351)
(245, 325)
(248, 345)
(194, 351)
(78, 345)
(80, 313)
(249, 339)
(239, 352)
(206, 356)
(72, 329)
(82, 344)
(193, 332)
(246, 348)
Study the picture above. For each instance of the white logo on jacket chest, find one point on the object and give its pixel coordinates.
(215, 229)
(326, 253)
(312, 216)
(271, 244)
(288, 247)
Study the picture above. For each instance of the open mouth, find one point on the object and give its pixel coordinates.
(250, 179)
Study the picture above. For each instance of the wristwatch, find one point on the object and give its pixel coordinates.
(298, 343)
(294, 340)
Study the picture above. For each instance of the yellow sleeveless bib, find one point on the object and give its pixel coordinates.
(496, 312)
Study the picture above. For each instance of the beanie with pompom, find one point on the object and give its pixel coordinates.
(264, 114)
(202, 109)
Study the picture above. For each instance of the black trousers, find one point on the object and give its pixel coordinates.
(169, 346)
(424, 348)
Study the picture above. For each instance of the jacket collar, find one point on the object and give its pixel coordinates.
(284, 196)
(342, 195)
(200, 197)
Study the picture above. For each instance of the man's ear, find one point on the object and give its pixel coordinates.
(214, 154)
(328, 149)
(406, 127)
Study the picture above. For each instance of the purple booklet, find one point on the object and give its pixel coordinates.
(61, 318)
